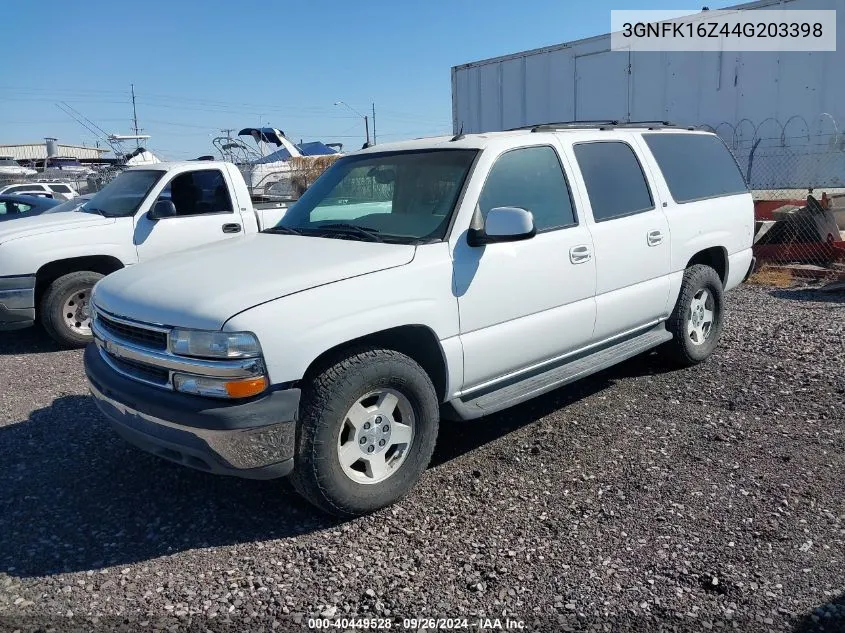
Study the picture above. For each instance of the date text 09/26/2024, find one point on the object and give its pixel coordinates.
(414, 624)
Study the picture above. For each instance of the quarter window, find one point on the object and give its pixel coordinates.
(696, 166)
(530, 178)
(614, 178)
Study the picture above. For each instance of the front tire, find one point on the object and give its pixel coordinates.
(367, 430)
(698, 318)
(65, 310)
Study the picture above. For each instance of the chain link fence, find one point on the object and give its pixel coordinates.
(796, 172)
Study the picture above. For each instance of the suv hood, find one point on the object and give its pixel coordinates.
(204, 287)
(49, 223)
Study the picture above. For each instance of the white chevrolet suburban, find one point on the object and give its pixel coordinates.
(451, 276)
(49, 263)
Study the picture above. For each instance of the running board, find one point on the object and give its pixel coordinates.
(469, 407)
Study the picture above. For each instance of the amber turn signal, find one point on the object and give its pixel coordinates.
(246, 388)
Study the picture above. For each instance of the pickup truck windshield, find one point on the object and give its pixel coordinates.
(405, 197)
(123, 195)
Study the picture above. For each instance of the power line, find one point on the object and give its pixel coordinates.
(165, 100)
(82, 116)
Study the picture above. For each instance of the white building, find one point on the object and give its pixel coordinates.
(38, 151)
(777, 111)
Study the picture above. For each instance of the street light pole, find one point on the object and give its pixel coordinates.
(366, 120)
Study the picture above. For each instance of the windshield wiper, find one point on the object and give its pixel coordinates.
(352, 229)
(285, 230)
(88, 209)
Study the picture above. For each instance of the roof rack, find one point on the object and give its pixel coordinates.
(559, 125)
(602, 124)
(653, 125)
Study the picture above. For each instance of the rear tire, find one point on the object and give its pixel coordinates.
(698, 318)
(65, 308)
(367, 430)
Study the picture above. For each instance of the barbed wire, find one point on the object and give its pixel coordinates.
(796, 172)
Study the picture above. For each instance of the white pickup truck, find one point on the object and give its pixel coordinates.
(50, 263)
(450, 276)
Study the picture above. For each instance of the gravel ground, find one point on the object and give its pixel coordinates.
(638, 499)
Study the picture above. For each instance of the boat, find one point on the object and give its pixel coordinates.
(140, 156)
(10, 169)
(67, 167)
(276, 174)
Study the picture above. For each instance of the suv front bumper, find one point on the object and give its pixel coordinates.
(253, 439)
(17, 302)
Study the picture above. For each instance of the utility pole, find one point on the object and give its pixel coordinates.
(366, 119)
(135, 118)
(228, 133)
(374, 124)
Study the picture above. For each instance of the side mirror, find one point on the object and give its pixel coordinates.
(503, 224)
(162, 209)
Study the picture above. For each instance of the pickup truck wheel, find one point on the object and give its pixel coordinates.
(65, 309)
(368, 426)
(697, 320)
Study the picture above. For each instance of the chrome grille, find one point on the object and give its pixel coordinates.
(139, 371)
(153, 339)
(139, 351)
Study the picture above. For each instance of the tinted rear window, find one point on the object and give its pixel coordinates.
(614, 178)
(696, 166)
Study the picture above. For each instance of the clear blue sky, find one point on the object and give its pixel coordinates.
(204, 65)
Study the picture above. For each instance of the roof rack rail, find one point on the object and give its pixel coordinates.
(651, 124)
(600, 124)
(560, 125)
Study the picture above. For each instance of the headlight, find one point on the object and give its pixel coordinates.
(203, 344)
(219, 387)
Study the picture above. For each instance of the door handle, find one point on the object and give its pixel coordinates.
(580, 254)
(655, 238)
(234, 227)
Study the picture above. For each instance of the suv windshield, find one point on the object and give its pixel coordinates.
(123, 195)
(405, 197)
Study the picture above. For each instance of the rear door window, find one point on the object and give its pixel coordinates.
(60, 188)
(614, 177)
(696, 166)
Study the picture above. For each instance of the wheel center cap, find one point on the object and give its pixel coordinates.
(374, 435)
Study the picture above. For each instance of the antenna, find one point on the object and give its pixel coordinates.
(135, 117)
(460, 133)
